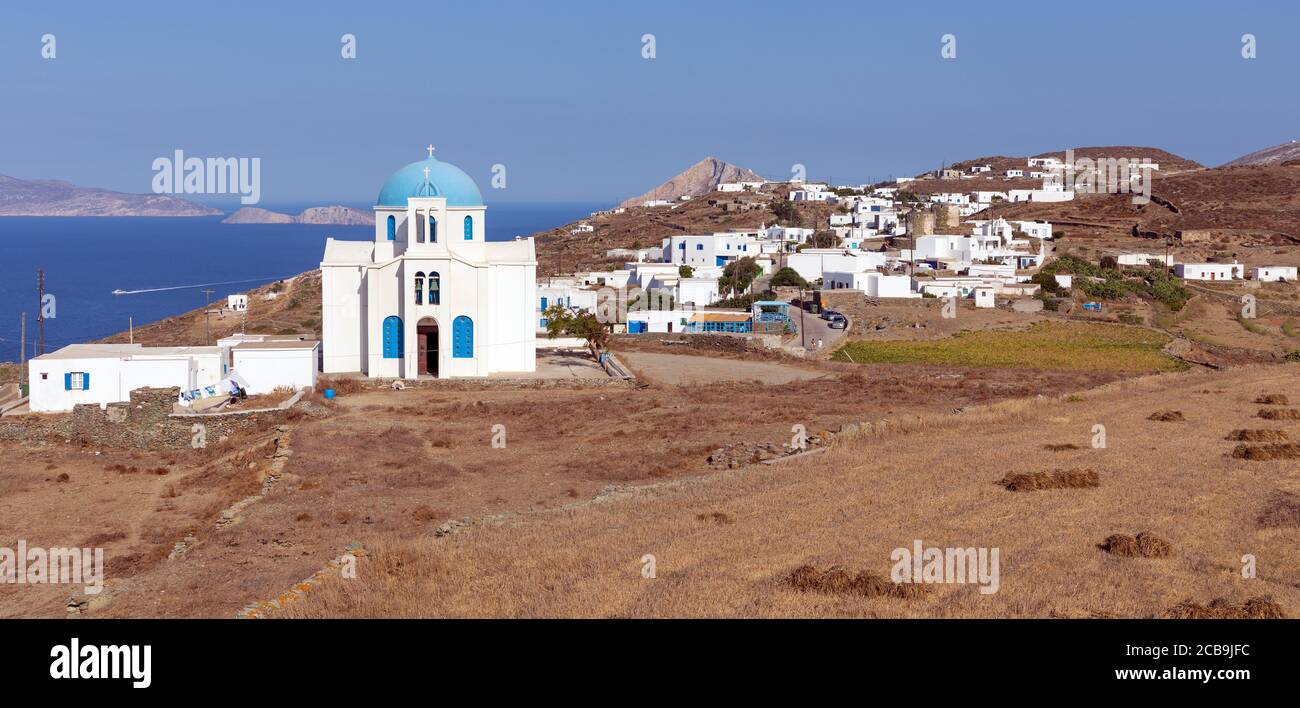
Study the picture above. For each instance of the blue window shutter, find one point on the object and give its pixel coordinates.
(85, 381)
(543, 303)
(392, 337)
(462, 338)
(469, 228)
(392, 227)
(67, 381)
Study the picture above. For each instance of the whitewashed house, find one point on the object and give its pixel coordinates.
(1210, 271)
(108, 373)
(812, 263)
(1142, 259)
(709, 249)
(1273, 274)
(267, 362)
(872, 283)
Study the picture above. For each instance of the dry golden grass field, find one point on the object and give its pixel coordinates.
(381, 465)
(728, 544)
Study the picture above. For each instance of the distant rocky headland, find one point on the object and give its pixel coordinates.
(697, 180)
(38, 197)
(326, 215)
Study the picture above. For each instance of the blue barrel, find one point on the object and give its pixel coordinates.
(329, 393)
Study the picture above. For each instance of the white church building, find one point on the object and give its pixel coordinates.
(429, 296)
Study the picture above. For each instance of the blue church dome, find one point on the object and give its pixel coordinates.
(444, 180)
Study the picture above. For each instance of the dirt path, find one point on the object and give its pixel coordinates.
(686, 369)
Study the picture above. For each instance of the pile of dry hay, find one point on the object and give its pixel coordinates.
(1145, 545)
(1269, 451)
(1166, 416)
(1057, 479)
(1258, 435)
(837, 581)
(1279, 414)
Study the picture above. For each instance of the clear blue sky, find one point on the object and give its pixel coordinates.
(558, 91)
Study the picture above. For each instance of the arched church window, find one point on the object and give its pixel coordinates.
(435, 285)
(392, 337)
(433, 229)
(392, 228)
(419, 286)
(469, 228)
(462, 338)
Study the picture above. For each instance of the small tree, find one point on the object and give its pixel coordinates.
(739, 274)
(785, 210)
(686, 271)
(574, 322)
(788, 276)
(824, 239)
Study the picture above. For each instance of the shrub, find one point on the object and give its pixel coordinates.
(788, 277)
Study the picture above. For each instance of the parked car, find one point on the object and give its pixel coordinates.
(830, 314)
(838, 323)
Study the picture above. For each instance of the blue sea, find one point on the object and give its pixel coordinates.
(86, 258)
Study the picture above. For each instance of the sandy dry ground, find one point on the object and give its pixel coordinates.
(683, 370)
(724, 544)
(398, 464)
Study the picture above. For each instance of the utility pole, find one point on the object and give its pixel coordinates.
(40, 310)
(207, 303)
(803, 339)
(22, 349)
(130, 328)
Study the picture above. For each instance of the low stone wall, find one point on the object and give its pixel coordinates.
(147, 422)
(489, 383)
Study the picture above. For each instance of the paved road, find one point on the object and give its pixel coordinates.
(816, 328)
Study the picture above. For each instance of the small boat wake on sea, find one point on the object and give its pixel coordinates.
(120, 291)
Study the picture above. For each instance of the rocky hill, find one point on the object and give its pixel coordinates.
(1168, 161)
(1275, 155)
(20, 197)
(326, 215)
(1252, 212)
(698, 179)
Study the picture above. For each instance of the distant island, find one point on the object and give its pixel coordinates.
(38, 197)
(326, 215)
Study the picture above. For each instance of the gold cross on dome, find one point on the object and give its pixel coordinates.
(426, 174)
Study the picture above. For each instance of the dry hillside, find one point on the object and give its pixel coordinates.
(1275, 155)
(759, 541)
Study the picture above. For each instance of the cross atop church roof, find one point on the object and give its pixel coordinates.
(430, 149)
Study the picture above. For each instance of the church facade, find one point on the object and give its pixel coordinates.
(429, 296)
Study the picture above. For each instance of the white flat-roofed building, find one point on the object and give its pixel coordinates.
(1210, 271)
(1273, 274)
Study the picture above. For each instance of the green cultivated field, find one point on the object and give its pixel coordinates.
(1071, 346)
